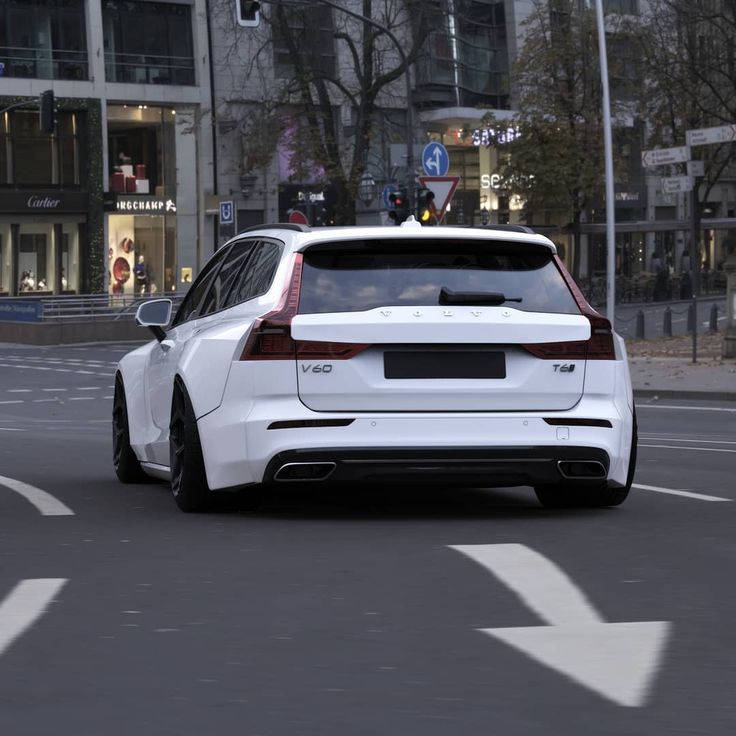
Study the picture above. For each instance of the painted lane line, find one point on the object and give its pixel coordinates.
(617, 660)
(11, 429)
(682, 439)
(44, 502)
(18, 390)
(684, 494)
(24, 605)
(14, 401)
(82, 398)
(694, 449)
(44, 401)
(97, 388)
(685, 408)
(55, 390)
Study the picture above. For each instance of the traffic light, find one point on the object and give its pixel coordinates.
(426, 208)
(46, 111)
(248, 13)
(400, 201)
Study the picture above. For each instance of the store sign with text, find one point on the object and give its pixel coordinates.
(43, 201)
(137, 205)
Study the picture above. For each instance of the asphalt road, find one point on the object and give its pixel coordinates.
(331, 613)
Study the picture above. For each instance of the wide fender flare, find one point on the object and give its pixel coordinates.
(205, 365)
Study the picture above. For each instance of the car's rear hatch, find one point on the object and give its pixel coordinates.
(372, 335)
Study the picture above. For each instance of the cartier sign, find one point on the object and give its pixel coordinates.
(43, 203)
(40, 202)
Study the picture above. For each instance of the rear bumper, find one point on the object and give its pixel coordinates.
(497, 466)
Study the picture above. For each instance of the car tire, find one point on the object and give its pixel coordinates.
(124, 460)
(597, 495)
(188, 477)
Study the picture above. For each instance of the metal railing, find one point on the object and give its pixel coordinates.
(80, 307)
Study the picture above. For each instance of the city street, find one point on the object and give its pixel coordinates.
(355, 614)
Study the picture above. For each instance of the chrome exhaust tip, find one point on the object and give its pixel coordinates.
(301, 472)
(581, 469)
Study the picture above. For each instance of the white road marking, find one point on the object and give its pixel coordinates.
(14, 401)
(97, 388)
(44, 502)
(616, 660)
(57, 389)
(683, 439)
(686, 408)
(11, 429)
(24, 605)
(81, 398)
(684, 494)
(18, 390)
(696, 449)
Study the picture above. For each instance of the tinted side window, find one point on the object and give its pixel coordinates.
(189, 307)
(222, 283)
(258, 274)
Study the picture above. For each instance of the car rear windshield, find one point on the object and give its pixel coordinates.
(354, 276)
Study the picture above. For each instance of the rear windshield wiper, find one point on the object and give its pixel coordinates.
(476, 298)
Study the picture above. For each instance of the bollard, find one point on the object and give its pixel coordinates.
(640, 325)
(667, 322)
(714, 318)
(691, 318)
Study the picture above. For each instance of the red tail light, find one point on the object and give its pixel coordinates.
(270, 338)
(598, 347)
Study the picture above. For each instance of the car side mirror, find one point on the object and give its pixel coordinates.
(155, 315)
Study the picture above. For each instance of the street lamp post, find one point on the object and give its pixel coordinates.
(409, 108)
(608, 154)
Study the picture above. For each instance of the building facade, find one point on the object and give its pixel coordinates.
(123, 178)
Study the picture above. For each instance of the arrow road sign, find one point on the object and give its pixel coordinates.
(618, 661)
(661, 156)
(443, 187)
(435, 159)
(704, 136)
(674, 184)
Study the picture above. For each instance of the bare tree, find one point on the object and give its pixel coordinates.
(327, 77)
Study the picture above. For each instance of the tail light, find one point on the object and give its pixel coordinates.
(270, 337)
(598, 347)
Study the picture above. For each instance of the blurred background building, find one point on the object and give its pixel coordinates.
(305, 111)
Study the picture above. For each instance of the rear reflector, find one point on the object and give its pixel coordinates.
(302, 423)
(578, 422)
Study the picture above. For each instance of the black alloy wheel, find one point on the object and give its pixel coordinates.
(188, 476)
(126, 464)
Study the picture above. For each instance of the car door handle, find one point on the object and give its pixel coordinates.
(166, 345)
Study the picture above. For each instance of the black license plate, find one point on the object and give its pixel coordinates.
(454, 364)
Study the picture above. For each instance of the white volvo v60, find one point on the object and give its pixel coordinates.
(376, 355)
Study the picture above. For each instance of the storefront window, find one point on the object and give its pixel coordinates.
(34, 265)
(4, 150)
(137, 254)
(70, 259)
(141, 150)
(33, 158)
(4, 267)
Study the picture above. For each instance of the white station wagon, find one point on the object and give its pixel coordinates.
(378, 355)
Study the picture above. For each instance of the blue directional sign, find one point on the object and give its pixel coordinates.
(388, 190)
(227, 213)
(435, 159)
